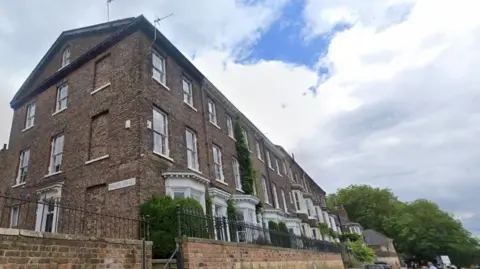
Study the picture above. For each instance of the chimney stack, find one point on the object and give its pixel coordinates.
(4, 147)
(342, 212)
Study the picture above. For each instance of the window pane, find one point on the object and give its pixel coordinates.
(159, 122)
(178, 195)
(190, 140)
(157, 143)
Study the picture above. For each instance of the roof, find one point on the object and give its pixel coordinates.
(123, 28)
(64, 37)
(373, 237)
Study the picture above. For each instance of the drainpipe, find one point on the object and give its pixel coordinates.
(265, 162)
(205, 128)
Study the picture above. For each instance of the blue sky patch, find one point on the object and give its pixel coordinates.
(285, 42)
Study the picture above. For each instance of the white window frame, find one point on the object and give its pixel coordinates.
(54, 156)
(158, 70)
(188, 92)
(245, 135)
(263, 182)
(192, 150)
(30, 117)
(42, 212)
(160, 118)
(278, 167)
(23, 167)
(285, 171)
(212, 112)
(236, 174)
(61, 102)
(290, 196)
(66, 57)
(230, 127)
(217, 163)
(269, 160)
(259, 152)
(282, 192)
(275, 196)
(14, 216)
(297, 203)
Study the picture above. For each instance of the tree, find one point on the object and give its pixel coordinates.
(247, 172)
(419, 229)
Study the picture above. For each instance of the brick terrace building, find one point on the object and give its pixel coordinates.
(114, 113)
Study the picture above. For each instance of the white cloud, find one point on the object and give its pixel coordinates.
(398, 110)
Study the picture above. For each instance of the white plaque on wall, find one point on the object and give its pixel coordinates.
(121, 184)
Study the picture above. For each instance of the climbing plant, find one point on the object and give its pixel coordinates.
(210, 217)
(232, 219)
(247, 173)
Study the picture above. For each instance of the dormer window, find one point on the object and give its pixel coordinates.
(66, 57)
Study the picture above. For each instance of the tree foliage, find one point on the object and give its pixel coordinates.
(162, 212)
(349, 237)
(247, 172)
(419, 229)
(362, 252)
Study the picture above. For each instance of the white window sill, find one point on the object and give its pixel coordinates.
(27, 128)
(190, 106)
(260, 159)
(52, 174)
(97, 159)
(163, 156)
(161, 83)
(271, 168)
(214, 124)
(240, 190)
(233, 138)
(19, 184)
(59, 111)
(268, 203)
(101, 88)
(221, 181)
(62, 67)
(279, 174)
(195, 170)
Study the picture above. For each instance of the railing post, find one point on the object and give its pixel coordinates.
(180, 264)
(144, 249)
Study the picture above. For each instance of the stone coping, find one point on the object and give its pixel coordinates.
(29, 233)
(164, 261)
(246, 245)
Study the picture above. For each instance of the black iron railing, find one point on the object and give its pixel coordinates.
(197, 224)
(56, 215)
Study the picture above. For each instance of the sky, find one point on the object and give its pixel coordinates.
(378, 92)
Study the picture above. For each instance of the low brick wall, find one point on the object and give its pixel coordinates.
(211, 254)
(20, 249)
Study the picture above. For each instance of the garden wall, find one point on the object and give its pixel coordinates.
(34, 250)
(211, 254)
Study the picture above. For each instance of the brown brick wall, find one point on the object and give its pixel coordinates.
(78, 46)
(26, 249)
(120, 99)
(129, 94)
(204, 253)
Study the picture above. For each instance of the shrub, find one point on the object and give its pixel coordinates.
(232, 219)
(286, 240)
(349, 237)
(361, 252)
(162, 213)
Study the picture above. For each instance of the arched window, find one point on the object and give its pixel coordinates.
(66, 56)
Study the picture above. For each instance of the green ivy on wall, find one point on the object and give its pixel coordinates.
(247, 173)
